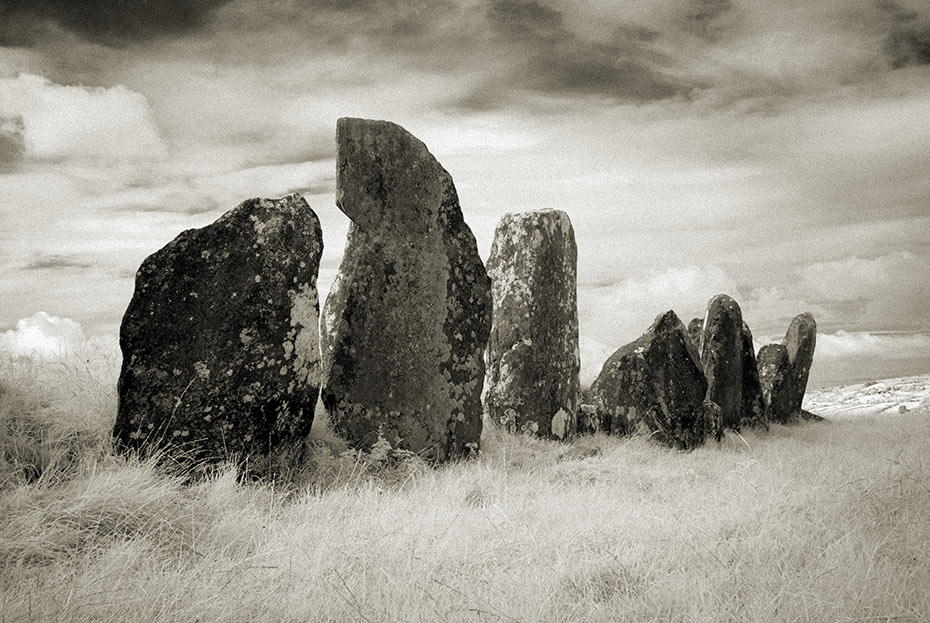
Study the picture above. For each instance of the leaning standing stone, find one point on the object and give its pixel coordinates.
(753, 404)
(221, 354)
(533, 358)
(696, 331)
(722, 356)
(776, 379)
(800, 342)
(654, 385)
(407, 321)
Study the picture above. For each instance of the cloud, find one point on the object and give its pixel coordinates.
(109, 22)
(55, 261)
(12, 146)
(844, 345)
(77, 123)
(44, 336)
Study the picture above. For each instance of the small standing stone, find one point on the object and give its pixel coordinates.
(753, 403)
(696, 331)
(221, 354)
(776, 379)
(800, 342)
(407, 321)
(533, 355)
(655, 386)
(722, 356)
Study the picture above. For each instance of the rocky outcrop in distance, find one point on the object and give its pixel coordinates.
(407, 321)
(220, 343)
(533, 357)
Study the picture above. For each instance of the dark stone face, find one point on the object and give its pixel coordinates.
(533, 360)
(220, 341)
(800, 342)
(654, 385)
(696, 331)
(753, 404)
(407, 320)
(776, 379)
(722, 356)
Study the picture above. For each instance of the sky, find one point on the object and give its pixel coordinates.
(773, 150)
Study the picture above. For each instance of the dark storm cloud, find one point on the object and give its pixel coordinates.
(908, 43)
(552, 58)
(56, 262)
(12, 145)
(108, 22)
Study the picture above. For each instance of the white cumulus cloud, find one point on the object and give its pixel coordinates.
(45, 336)
(80, 123)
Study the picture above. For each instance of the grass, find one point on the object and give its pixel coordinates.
(815, 522)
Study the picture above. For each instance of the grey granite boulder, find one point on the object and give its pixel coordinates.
(722, 357)
(407, 321)
(800, 341)
(220, 342)
(753, 410)
(776, 379)
(533, 356)
(654, 385)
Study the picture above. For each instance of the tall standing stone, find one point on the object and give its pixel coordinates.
(220, 341)
(654, 385)
(776, 378)
(800, 342)
(722, 356)
(753, 404)
(408, 318)
(533, 357)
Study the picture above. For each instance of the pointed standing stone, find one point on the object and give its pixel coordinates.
(654, 385)
(800, 342)
(776, 379)
(753, 404)
(722, 356)
(533, 357)
(220, 343)
(407, 320)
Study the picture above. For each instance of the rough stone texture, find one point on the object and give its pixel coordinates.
(776, 378)
(588, 420)
(533, 358)
(220, 341)
(753, 404)
(800, 342)
(722, 357)
(407, 321)
(696, 331)
(654, 385)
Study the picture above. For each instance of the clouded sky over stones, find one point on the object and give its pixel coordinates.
(773, 150)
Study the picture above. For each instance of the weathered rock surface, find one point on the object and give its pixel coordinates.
(776, 378)
(533, 357)
(696, 331)
(654, 385)
(800, 342)
(407, 321)
(722, 357)
(753, 403)
(220, 341)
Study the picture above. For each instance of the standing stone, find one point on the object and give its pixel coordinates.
(220, 342)
(722, 356)
(753, 404)
(407, 321)
(533, 357)
(776, 378)
(655, 386)
(696, 331)
(800, 342)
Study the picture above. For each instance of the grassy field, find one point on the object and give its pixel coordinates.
(815, 522)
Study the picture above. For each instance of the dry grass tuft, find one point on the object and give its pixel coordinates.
(820, 521)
